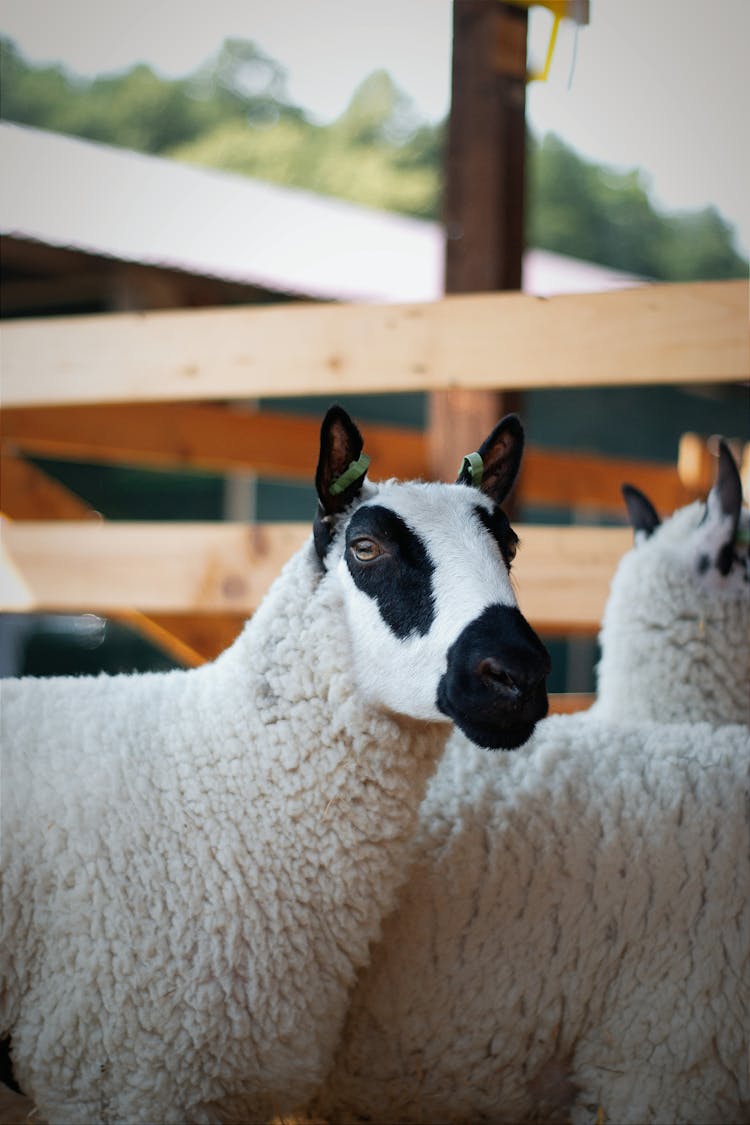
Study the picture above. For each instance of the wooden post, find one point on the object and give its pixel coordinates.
(483, 201)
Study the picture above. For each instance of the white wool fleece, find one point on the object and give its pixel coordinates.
(193, 866)
(574, 935)
(675, 642)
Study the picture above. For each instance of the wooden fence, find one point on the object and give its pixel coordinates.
(156, 389)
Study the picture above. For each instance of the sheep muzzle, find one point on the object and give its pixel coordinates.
(494, 687)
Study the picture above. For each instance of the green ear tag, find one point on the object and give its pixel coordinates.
(742, 539)
(356, 470)
(474, 465)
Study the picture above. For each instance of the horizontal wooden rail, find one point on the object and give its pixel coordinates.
(184, 435)
(554, 478)
(561, 574)
(566, 703)
(686, 333)
(222, 439)
(26, 493)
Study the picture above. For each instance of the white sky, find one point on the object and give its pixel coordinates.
(658, 84)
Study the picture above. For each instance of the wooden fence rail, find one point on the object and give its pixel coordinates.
(198, 582)
(147, 389)
(222, 439)
(561, 574)
(656, 334)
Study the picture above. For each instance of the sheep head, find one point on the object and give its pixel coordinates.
(423, 570)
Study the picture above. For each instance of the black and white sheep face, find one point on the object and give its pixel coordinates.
(424, 571)
(707, 544)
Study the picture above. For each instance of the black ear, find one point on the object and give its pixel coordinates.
(494, 467)
(725, 499)
(340, 473)
(728, 486)
(641, 512)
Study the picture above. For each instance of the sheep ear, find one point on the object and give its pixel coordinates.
(723, 506)
(341, 465)
(494, 467)
(642, 514)
(727, 488)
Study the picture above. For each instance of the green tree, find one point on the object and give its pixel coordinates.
(376, 153)
(37, 96)
(379, 114)
(579, 208)
(137, 108)
(234, 113)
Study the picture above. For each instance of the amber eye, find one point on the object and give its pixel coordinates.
(511, 549)
(366, 550)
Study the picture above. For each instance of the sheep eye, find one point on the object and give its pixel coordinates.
(366, 550)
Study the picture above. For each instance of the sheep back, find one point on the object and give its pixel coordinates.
(575, 933)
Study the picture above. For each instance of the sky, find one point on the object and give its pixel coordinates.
(656, 84)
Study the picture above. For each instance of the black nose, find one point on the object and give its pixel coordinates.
(492, 673)
(494, 684)
(511, 684)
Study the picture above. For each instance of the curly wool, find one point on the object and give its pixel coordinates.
(575, 934)
(193, 866)
(673, 649)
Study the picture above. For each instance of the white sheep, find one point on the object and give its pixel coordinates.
(194, 862)
(675, 630)
(575, 933)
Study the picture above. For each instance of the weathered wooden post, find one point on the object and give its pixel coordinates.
(484, 197)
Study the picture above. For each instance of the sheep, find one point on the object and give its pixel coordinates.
(574, 935)
(681, 593)
(195, 862)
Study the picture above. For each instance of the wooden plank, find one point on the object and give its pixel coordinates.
(174, 435)
(165, 568)
(204, 635)
(171, 641)
(26, 493)
(555, 478)
(30, 494)
(687, 333)
(567, 703)
(562, 574)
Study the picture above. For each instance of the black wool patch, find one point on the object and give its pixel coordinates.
(725, 559)
(323, 533)
(400, 578)
(498, 525)
(7, 1077)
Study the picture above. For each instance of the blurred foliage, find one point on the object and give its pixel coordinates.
(140, 110)
(376, 153)
(234, 114)
(580, 208)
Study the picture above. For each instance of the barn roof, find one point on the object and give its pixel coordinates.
(72, 193)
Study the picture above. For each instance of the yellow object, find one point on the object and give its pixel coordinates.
(561, 9)
(543, 75)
